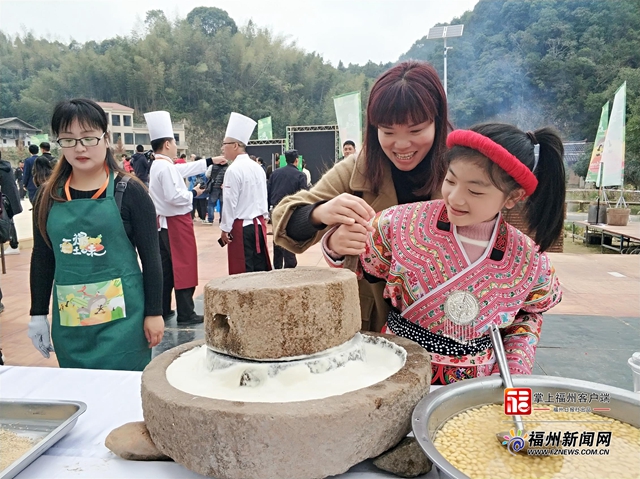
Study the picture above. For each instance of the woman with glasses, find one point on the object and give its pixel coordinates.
(91, 221)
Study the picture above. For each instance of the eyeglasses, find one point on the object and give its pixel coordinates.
(230, 143)
(72, 142)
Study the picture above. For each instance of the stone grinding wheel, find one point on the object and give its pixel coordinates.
(295, 440)
(282, 313)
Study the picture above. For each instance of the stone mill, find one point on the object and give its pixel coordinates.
(283, 386)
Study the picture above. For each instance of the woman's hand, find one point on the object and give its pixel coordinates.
(348, 240)
(153, 329)
(344, 209)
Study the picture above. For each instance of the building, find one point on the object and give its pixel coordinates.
(131, 134)
(573, 151)
(15, 132)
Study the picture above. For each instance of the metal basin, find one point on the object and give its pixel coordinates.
(44, 422)
(438, 407)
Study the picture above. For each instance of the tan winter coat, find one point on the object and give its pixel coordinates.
(345, 177)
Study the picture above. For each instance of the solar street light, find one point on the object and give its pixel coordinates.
(449, 31)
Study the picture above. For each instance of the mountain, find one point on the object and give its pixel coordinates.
(540, 62)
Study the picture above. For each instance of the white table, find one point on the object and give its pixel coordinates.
(113, 399)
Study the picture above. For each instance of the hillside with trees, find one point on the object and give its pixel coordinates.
(542, 62)
(531, 63)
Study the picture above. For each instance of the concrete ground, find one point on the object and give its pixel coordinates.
(589, 335)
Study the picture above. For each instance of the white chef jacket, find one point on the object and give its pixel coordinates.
(167, 189)
(244, 192)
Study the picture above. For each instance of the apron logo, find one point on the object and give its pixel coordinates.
(82, 244)
(90, 304)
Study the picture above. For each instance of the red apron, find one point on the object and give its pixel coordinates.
(184, 252)
(235, 254)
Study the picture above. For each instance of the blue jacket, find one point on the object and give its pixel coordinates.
(27, 179)
(194, 180)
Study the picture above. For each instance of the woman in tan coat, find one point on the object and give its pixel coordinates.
(402, 161)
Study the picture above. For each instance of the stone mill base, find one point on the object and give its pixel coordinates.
(295, 440)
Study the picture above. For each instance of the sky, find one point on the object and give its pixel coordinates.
(354, 31)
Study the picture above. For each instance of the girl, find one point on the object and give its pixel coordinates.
(452, 267)
(106, 313)
(402, 161)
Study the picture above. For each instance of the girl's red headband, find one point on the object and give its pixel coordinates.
(496, 153)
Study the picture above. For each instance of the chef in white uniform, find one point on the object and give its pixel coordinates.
(173, 202)
(245, 212)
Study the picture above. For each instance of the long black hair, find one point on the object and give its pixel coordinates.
(89, 114)
(544, 209)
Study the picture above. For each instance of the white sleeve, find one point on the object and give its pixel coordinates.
(231, 195)
(173, 193)
(192, 168)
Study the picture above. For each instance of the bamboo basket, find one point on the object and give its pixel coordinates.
(618, 216)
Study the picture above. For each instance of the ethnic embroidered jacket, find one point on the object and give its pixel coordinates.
(415, 250)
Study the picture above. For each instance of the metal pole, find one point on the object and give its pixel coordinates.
(445, 66)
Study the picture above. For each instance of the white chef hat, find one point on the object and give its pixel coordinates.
(240, 127)
(159, 124)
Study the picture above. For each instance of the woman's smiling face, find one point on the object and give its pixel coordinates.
(406, 145)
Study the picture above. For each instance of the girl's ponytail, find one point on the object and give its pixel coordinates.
(545, 209)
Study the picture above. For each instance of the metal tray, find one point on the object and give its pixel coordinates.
(45, 422)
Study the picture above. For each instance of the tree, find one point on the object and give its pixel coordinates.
(155, 18)
(581, 167)
(211, 20)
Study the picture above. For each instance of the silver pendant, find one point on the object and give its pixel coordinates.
(461, 307)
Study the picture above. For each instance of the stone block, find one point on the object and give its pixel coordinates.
(131, 441)
(296, 440)
(407, 459)
(281, 313)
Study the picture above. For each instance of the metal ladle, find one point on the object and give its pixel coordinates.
(501, 357)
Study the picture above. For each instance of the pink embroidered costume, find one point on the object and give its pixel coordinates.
(446, 302)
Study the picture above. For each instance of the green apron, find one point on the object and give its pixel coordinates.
(98, 295)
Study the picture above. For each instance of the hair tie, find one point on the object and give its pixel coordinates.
(532, 137)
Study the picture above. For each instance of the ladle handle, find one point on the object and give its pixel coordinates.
(501, 357)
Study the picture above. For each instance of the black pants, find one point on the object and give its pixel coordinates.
(283, 257)
(254, 261)
(184, 297)
(21, 190)
(214, 195)
(200, 206)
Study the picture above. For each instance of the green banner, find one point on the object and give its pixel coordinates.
(283, 161)
(265, 131)
(37, 139)
(614, 142)
(349, 115)
(598, 145)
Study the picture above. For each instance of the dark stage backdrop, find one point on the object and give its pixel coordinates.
(318, 148)
(264, 151)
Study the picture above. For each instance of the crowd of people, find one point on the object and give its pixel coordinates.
(416, 214)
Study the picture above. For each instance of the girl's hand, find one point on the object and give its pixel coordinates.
(344, 209)
(153, 329)
(348, 240)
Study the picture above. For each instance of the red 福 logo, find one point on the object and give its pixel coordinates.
(517, 401)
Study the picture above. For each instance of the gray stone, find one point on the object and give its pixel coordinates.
(295, 440)
(407, 459)
(282, 313)
(132, 441)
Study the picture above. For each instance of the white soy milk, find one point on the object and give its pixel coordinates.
(191, 374)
